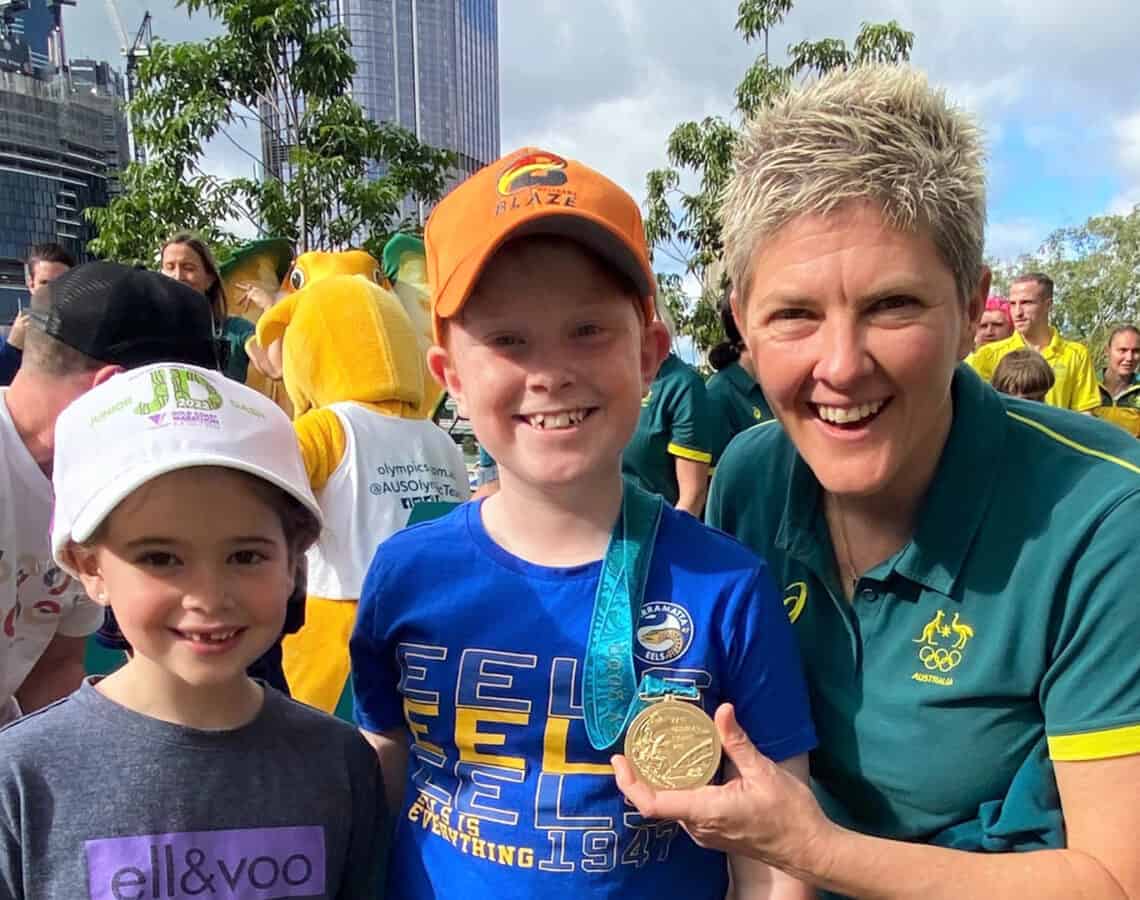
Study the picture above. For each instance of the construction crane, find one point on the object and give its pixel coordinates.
(133, 51)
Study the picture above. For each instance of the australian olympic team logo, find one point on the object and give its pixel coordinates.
(531, 171)
(943, 643)
(664, 632)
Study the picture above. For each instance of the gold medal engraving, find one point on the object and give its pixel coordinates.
(673, 744)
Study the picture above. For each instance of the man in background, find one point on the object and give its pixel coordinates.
(1030, 303)
(83, 328)
(45, 263)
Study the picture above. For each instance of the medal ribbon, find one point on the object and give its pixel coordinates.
(610, 691)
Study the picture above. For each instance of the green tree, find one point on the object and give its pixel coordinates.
(700, 322)
(1000, 275)
(275, 63)
(684, 226)
(1096, 272)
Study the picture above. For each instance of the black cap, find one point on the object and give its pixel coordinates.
(127, 317)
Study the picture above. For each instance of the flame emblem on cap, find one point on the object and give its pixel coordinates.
(533, 170)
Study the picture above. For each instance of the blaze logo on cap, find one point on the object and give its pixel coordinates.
(538, 169)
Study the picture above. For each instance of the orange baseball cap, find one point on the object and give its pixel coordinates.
(531, 191)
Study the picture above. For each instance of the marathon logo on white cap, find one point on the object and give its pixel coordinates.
(176, 395)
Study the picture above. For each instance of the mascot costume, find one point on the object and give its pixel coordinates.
(262, 265)
(354, 370)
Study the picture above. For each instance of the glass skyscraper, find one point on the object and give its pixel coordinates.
(63, 139)
(31, 29)
(431, 66)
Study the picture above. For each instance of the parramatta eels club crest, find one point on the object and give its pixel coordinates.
(943, 643)
(664, 632)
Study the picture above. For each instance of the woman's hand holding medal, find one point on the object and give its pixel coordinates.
(762, 810)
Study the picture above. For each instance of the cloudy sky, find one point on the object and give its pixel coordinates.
(1053, 82)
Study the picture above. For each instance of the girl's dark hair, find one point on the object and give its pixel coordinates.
(727, 351)
(300, 526)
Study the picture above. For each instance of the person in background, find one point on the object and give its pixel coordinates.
(1120, 385)
(12, 349)
(44, 264)
(736, 401)
(996, 323)
(1023, 374)
(1030, 302)
(672, 449)
(92, 322)
(186, 258)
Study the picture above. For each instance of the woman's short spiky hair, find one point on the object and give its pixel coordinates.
(875, 133)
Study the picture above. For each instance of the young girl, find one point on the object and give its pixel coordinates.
(182, 504)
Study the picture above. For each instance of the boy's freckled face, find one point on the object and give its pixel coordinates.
(549, 360)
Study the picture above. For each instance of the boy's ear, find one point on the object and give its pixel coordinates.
(654, 349)
(84, 561)
(441, 368)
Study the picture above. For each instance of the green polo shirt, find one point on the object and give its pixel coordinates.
(674, 422)
(235, 332)
(1004, 634)
(736, 402)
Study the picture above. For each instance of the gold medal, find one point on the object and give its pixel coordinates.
(673, 744)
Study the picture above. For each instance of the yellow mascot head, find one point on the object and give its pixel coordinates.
(348, 369)
(345, 338)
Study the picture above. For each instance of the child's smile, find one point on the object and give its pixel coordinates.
(557, 420)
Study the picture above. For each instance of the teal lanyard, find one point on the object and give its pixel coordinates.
(610, 695)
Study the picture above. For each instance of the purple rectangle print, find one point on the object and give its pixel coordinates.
(241, 864)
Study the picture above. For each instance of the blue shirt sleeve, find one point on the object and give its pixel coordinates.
(763, 674)
(375, 676)
(10, 359)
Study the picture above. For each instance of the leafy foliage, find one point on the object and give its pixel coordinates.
(698, 321)
(1096, 272)
(276, 62)
(684, 227)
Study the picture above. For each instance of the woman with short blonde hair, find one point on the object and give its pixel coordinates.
(961, 568)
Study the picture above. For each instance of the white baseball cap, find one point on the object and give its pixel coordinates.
(156, 419)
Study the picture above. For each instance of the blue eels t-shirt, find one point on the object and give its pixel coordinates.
(479, 655)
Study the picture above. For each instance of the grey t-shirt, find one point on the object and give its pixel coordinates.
(100, 802)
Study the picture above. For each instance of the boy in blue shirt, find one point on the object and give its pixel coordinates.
(474, 659)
